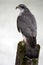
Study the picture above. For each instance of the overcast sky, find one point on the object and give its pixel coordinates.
(9, 36)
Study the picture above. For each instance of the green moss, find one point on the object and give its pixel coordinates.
(35, 61)
(21, 51)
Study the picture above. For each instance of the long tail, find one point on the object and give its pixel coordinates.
(31, 41)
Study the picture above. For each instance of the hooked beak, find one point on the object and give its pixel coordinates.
(17, 7)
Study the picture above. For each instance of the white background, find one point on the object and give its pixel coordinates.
(9, 36)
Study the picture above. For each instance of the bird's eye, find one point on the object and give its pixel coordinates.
(23, 7)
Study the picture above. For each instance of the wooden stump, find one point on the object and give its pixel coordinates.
(21, 59)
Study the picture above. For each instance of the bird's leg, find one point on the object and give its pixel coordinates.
(28, 41)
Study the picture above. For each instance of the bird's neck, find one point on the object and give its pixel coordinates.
(27, 11)
(22, 11)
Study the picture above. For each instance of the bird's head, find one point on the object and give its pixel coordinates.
(21, 7)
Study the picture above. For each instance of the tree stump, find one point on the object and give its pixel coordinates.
(21, 59)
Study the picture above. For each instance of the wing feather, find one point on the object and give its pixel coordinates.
(26, 25)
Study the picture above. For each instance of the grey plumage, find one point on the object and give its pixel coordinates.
(26, 23)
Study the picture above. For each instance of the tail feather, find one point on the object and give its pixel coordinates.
(31, 41)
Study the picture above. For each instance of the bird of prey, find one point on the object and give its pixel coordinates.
(26, 24)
